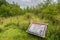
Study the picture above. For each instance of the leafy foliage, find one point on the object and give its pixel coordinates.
(2, 2)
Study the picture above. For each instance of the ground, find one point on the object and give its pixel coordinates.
(13, 28)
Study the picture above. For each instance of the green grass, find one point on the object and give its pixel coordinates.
(10, 30)
(13, 32)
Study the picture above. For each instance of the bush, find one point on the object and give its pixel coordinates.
(1, 30)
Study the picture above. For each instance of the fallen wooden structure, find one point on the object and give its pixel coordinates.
(38, 29)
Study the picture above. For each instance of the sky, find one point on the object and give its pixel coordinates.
(24, 3)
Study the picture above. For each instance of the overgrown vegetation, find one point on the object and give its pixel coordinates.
(14, 20)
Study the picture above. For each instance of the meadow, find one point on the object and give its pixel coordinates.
(15, 29)
(14, 21)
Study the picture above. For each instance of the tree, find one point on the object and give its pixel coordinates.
(58, 1)
(2, 2)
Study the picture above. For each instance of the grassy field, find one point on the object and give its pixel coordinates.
(14, 28)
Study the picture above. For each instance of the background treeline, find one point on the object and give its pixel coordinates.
(40, 8)
(45, 9)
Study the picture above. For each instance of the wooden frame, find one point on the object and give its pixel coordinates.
(38, 29)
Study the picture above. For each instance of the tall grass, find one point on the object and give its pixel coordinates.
(11, 30)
